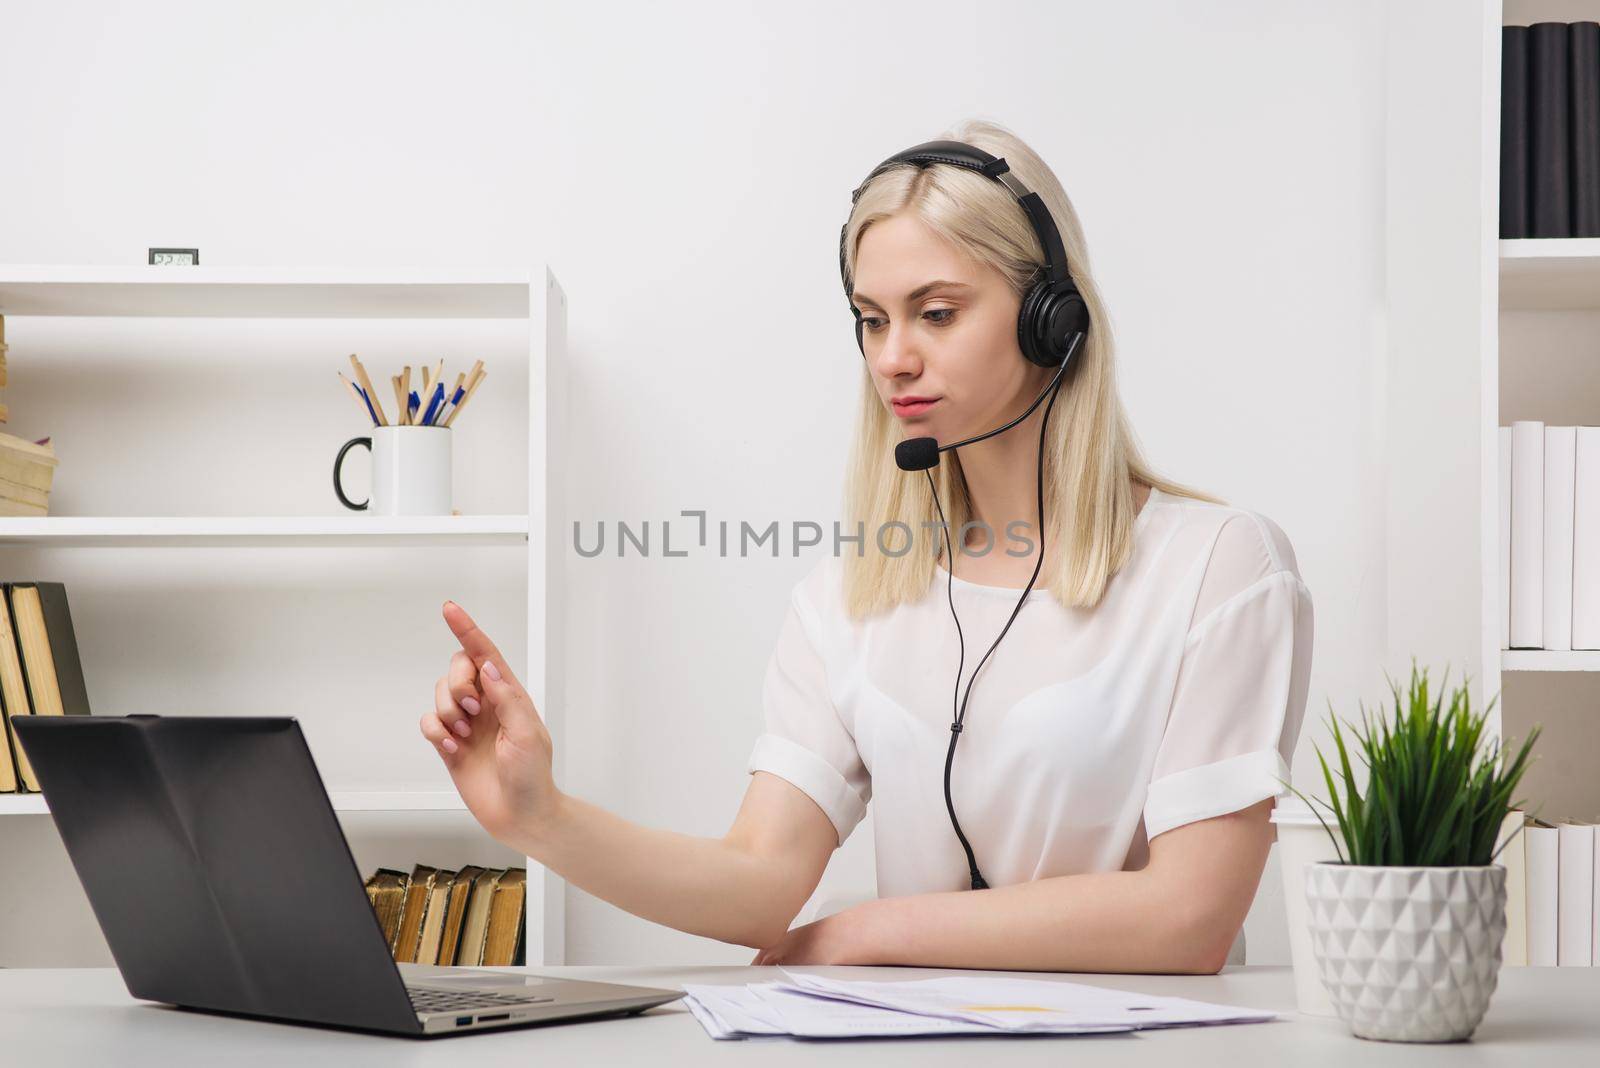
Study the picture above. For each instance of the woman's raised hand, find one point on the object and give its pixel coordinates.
(490, 736)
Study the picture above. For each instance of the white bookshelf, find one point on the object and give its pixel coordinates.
(390, 817)
(1545, 301)
(248, 531)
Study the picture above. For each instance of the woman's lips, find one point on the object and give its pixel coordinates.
(912, 409)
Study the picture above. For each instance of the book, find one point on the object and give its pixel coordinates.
(1542, 858)
(505, 917)
(1514, 948)
(50, 662)
(14, 694)
(418, 890)
(1527, 534)
(40, 672)
(1505, 537)
(1583, 61)
(1549, 144)
(1575, 894)
(455, 913)
(1560, 470)
(433, 918)
(475, 926)
(1586, 541)
(386, 889)
(1514, 131)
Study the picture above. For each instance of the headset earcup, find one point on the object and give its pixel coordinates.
(1031, 327)
(1046, 322)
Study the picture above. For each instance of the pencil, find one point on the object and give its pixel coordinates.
(405, 395)
(399, 400)
(470, 391)
(366, 385)
(356, 393)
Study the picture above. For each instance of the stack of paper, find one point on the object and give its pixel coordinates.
(811, 1006)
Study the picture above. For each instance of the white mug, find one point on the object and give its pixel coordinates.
(410, 471)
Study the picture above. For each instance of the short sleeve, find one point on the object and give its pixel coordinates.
(806, 742)
(1241, 688)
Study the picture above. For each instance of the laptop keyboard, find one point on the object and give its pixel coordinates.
(428, 999)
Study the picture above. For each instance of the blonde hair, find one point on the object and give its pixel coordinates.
(1090, 454)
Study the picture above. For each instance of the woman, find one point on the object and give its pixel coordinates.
(1117, 765)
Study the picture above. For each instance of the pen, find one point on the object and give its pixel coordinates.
(454, 400)
(473, 388)
(433, 404)
(370, 409)
(366, 388)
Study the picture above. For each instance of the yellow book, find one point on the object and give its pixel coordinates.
(433, 918)
(387, 892)
(505, 917)
(476, 925)
(455, 913)
(418, 891)
(14, 691)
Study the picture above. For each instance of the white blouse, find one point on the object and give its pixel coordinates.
(1178, 698)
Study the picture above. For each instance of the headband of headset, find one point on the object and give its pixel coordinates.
(961, 154)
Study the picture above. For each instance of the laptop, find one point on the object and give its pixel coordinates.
(212, 858)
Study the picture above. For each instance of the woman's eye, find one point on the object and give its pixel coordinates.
(871, 323)
(945, 312)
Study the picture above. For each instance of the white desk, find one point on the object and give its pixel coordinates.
(48, 1017)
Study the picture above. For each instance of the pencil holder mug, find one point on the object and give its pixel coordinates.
(410, 471)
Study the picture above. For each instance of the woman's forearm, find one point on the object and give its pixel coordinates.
(1178, 914)
(1121, 921)
(705, 886)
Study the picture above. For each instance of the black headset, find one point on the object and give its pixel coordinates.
(1053, 310)
(1051, 324)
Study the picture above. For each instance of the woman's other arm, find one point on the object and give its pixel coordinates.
(744, 888)
(1178, 914)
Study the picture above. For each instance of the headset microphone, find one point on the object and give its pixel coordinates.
(919, 454)
(1051, 323)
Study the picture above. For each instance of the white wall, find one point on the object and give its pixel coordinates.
(685, 170)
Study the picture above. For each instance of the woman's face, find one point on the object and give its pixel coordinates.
(940, 333)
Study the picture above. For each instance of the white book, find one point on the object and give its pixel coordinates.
(1594, 918)
(1505, 537)
(1514, 949)
(1560, 471)
(1575, 905)
(1586, 541)
(1527, 534)
(1543, 859)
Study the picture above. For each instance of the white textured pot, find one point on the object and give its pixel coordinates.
(1408, 954)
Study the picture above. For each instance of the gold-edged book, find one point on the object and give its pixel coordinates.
(476, 924)
(504, 937)
(418, 890)
(455, 913)
(387, 892)
(433, 918)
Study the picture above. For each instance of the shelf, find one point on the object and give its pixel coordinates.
(1542, 273)
(1550, 660)
(248, 531)
(343, 801)
(259, 293)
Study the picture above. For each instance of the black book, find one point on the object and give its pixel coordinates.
(1549, 53)
(1584, 57)
(1513, 131)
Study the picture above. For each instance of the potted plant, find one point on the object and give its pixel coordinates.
(1406, 926)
